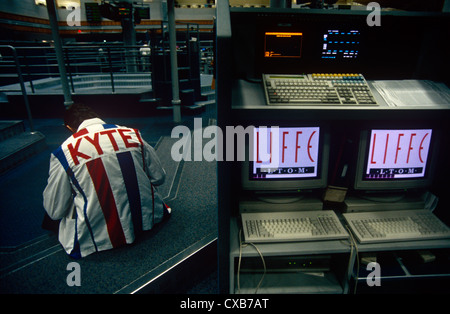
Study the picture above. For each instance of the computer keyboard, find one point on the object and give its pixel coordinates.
(318, 89)
(389, 226)
(292, 226)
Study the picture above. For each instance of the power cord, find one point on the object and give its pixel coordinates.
(354, 245)
(241, 246)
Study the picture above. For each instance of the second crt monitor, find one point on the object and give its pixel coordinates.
(286, 159)
(394, 168)
(396, 159)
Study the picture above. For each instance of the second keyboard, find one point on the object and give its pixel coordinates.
(292, 226)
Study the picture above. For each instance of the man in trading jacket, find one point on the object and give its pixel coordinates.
(101, 185)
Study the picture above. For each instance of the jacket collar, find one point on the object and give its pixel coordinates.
(89, 122)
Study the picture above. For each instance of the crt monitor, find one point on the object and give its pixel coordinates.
(286, 159)
(396, 159)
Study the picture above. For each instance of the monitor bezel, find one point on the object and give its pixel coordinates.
(286, 185)
(400, 183)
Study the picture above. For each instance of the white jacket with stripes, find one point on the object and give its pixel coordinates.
(102, 186)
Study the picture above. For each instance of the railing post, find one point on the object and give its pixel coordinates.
(70, 72)
(176, 102)
(28, 72)
(51, 9)
(22, 85)
(111, 69)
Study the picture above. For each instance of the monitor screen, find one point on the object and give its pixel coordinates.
(395, 159)
(341, 44)
(282, 45)
(287, 159)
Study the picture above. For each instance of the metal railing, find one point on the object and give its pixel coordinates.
(89, 59)
(15, 62)
(39, 62)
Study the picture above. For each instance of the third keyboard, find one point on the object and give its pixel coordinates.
(389, 226)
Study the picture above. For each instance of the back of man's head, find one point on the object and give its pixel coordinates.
(77, 113)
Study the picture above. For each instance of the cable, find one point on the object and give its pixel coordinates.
(264, 264)
(353, 243)
(242, 245)
(239, 262)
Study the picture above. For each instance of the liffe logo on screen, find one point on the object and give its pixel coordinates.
(398, 153)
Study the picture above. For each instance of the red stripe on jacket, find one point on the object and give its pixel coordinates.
(107, 202)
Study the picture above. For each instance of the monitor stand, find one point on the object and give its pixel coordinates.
(279, 203)
(366, 202)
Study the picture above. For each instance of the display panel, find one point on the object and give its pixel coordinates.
(395, 159)
(287, 158)
(282, 45)
(341, 45)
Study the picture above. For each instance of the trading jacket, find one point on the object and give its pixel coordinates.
(101, 185)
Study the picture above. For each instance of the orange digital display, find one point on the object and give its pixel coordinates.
(283, 44)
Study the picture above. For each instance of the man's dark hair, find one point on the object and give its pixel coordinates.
(77, 113)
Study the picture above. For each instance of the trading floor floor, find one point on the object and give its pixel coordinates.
(33, 261)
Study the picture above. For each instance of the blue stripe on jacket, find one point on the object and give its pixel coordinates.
(131, 184)
(59, 154)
